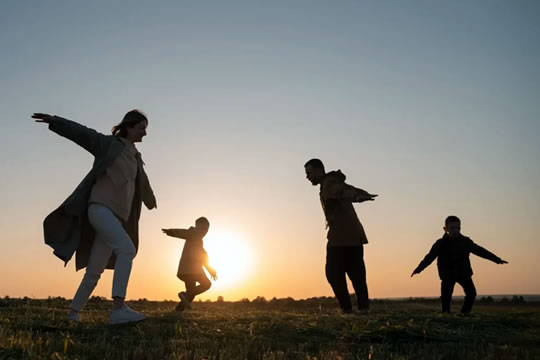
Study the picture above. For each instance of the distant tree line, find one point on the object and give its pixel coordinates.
(321, 301)
(327, 300)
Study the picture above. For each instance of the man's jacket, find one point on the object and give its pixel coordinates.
(344, 228)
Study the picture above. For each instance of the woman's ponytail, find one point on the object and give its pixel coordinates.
(131, 119)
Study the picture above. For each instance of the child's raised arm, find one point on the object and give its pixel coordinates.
(177, 233)
(428, 259)
(486, 254)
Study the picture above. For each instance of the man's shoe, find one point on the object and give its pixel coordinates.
(183, 297)
(363, 311)
(125, 315)
(73, 316)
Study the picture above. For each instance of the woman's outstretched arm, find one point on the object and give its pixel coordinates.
(89, 139)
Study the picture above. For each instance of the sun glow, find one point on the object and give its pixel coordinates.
(231, 256)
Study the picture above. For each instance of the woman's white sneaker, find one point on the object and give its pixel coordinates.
(125, 315)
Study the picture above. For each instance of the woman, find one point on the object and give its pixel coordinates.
(100, 219)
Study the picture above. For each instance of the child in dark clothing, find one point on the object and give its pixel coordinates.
(194, 258)
(452, 253)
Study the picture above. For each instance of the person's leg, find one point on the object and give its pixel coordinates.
(470, 294)
(194, 290)
(447, 288)
(335, 274)
(99, 256)
(356, 270)
(190, 284)
(112, 233)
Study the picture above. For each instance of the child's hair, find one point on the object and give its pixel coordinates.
(202, 221)
(450, 219)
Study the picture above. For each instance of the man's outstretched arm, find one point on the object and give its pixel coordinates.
(343, 191)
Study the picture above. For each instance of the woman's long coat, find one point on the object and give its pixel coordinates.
(67, 229)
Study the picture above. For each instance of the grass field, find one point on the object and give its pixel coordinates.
(35, 329)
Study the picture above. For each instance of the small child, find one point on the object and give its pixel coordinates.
(194, 258)
(452, 253)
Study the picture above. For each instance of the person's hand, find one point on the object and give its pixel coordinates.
(368, 197)
(150, 202)
(501, 261)
(415, 272)
(43, 118)
(213, 274)
(167, 231)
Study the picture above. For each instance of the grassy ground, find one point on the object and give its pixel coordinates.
(35, 329)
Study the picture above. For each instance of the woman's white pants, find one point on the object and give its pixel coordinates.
(110, 237)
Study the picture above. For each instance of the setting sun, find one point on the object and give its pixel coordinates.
(231, 256)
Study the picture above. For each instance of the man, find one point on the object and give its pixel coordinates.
(346, 235)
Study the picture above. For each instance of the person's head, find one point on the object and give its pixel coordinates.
(202, 224)
(315, 171)
(452, 226)
(132, 127)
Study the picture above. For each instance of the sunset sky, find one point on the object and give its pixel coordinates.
(433, 105)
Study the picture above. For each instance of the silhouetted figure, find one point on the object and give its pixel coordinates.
(194, 258)
(452, 254)
(346, 235)
(100, 219)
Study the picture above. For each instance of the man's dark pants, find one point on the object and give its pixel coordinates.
(347, 260)
(447, 288)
